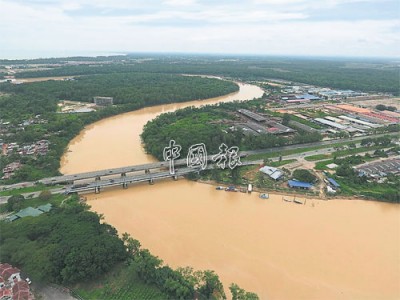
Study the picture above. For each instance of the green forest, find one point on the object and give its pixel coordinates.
(359, 75)
(141, 88)
(206, 125)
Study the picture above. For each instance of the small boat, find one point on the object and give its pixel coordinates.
(220, 188)
(287, 199)
(231, 189)
(264, 196)
(298, 201)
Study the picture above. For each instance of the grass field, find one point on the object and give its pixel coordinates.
(277, 164)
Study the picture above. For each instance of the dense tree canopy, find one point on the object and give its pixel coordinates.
(380, 76)
(65, 245)
(141, 88)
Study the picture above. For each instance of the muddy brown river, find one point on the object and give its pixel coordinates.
(338, 249)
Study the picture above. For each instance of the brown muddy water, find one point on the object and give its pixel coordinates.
(338, 249)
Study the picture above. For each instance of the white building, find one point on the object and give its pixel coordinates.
(272, 172)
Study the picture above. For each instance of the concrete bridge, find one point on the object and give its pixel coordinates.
(98, 184)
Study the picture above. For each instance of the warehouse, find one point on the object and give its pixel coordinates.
(299, 184)
(252, 115)
(364, 123)
(330, 123)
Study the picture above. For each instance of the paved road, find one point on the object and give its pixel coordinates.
(322, 143)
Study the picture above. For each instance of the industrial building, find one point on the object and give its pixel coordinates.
(380, 168)
(357, 121)
(331, 124)
(103, 101)
(302, 126)
(252, 115)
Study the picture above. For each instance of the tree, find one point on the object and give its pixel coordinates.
(304, 175)
(235, 173)
(286, 119)
(132, 245)
(240, 294)
(216, 174)
(380, 107)
(14, 202)
(45, 195)
(210, 286)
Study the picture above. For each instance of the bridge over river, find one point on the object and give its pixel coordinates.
(124, 180)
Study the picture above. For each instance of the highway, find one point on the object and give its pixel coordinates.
(316, 144)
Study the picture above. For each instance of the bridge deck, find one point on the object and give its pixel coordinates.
(121, 181)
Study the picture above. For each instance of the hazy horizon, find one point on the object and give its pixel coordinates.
(76, 54)
(333, 28)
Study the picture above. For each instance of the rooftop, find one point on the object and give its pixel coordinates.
(333, 182)
(300, 184)
(45, 208)
(252, 115)
(29, 212)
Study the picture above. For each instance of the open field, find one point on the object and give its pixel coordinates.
(372, 103)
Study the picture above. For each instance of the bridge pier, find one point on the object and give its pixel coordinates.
(123, 174)
(97, 178)
(97, 190)
(151, 181)
(124, 185)
(146, 171)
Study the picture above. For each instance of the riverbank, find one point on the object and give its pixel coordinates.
(292, 193)
(278, 250)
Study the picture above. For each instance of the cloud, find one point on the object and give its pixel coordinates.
(180, 2)
(256, 26)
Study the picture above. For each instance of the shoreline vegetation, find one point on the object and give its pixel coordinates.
(72, 246)
(44, 236)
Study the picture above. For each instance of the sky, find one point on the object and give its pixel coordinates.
(48, 28)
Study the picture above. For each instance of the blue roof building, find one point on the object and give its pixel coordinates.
(333, 182)
(299, 184)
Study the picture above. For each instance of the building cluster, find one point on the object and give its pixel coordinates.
(354, 119)
(302, 93)
(7, 126)
(255, 124)
(378, 170)
(345, 117)
(38, 148)
(33, 121)
(9, 170)
(103, 101)
(11, 284)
